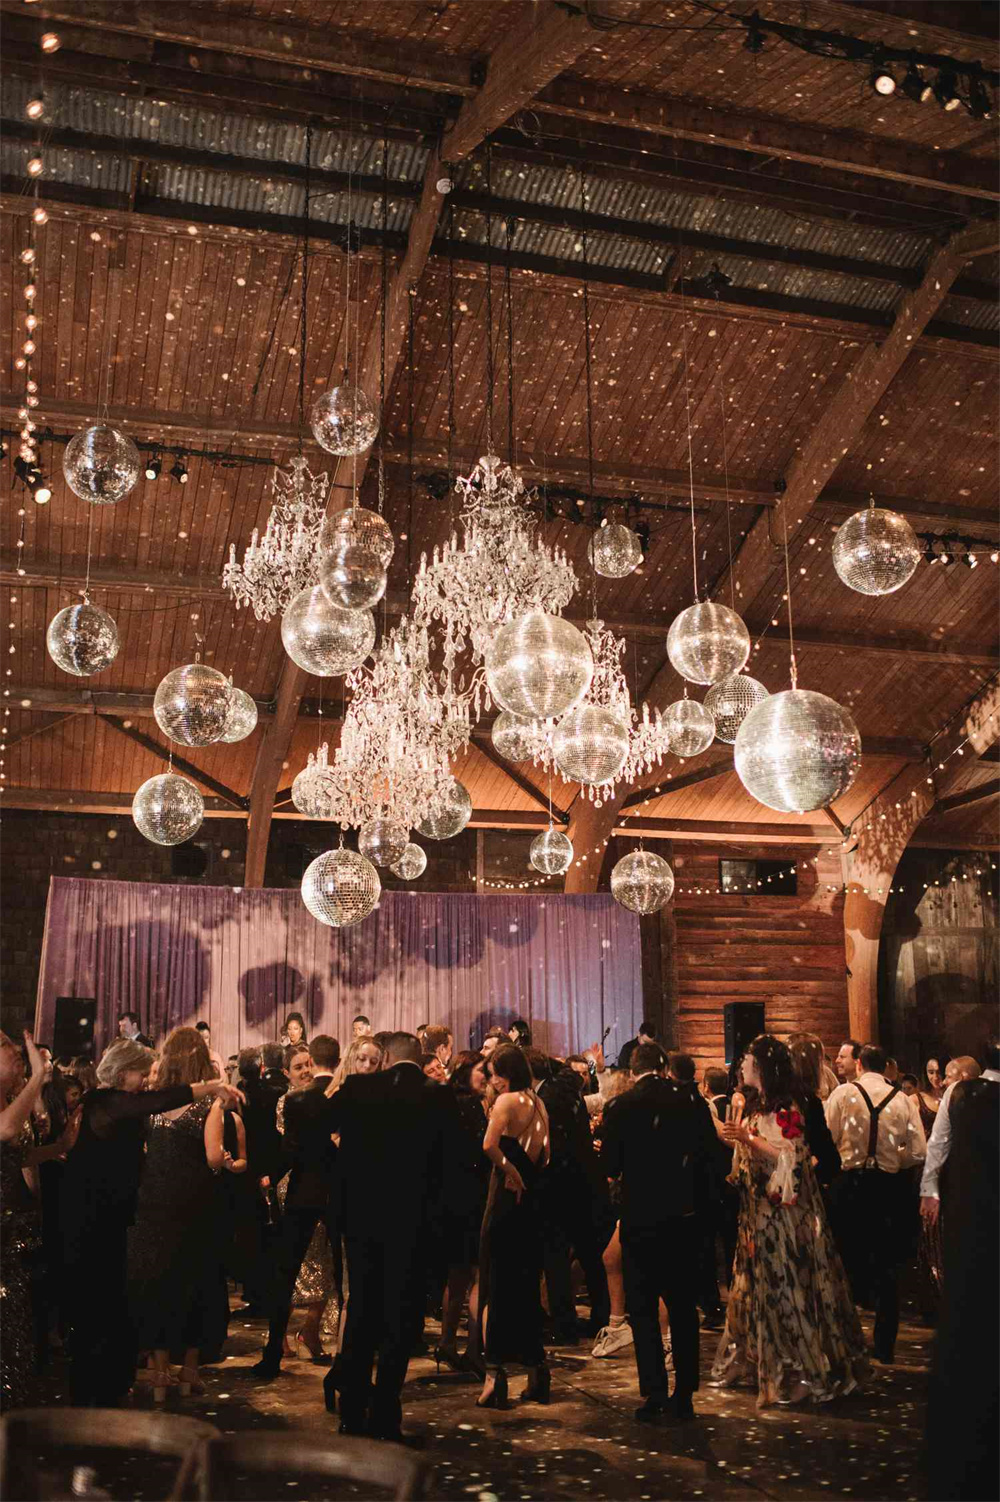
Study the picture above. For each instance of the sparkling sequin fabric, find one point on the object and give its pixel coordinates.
(20, 1238)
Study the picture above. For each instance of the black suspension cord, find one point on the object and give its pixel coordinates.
(490, 369)
(510, 346)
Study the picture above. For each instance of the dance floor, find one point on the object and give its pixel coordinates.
(587, 1444)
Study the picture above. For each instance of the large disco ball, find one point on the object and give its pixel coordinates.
(82, 639)
(357, 527)
(539, 666)
(192, 704)
(352, 578)
(168, 809)
(590, 744)
(707, 642)
(690, 727)
(730, 701)
(314, 793)
(614, 551)
(454, 814)
(642, 882)
(876, 551)
(517, 738)
(341, 888)
(411, 864)
(551, 852)
(797, 751)
(383, 841)
(343, 421)
(322, 638)
(242, 719)
(101, 464)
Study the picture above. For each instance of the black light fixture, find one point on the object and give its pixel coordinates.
(980, 105)
(153, 467)
(946, 91)
(754, 39)
(179, 472)
(915, 85)
(32, 479)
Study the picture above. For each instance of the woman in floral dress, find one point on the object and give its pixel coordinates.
(790, 1320)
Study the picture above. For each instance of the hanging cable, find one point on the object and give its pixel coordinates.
(490, 370)
(510, 345)
(587, 355)
(793, 667)
(303, 312)
(411, 298)
(687, 405)
(451, 364)
(384, 294)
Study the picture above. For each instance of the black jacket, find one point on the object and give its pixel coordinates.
(820, 1140)
(266, 1154)
(313, 1156)
(661, 1143)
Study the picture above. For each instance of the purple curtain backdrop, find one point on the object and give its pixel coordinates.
(241, 960)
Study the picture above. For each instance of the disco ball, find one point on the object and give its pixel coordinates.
(614, 551)
(517, 738)
(382, 841)
(876, 551)
(192, 705)
(689, 726)
(539, 666)
(642, 882)
(341, 888)
(352, 577)
(168, 809)
(411, 864)
(551, 852)
(242, 719)
(590, 744)
(797, 751)
(101, 464)
(730, 701)
(708, 642)
(321, 638)
(314, 793)
(343, 421)
(82, 639)
(453, 816)
(358, 527)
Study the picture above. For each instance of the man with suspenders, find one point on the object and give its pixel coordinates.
(878, 1133)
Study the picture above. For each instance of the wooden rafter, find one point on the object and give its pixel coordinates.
(181, 763)
(977, 794)
(485, 746)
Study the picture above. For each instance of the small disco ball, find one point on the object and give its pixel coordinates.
(452, 817)
(539, 666)
(322, 638)
(341, 888)
(876, 551)
(356, 526)
(382, 841)
(192, 705)
(82, 639)
(689, 726)
(343, 421)
(590, 744)
(516, 738)
(642, 882)
(730, 701)
(352, 577)
(314, 793)
(242, 719)
(551, 852)
(708, 642)
(168, 809)
(101, 464)
(411, 864)
(614, 551)
(797, 751)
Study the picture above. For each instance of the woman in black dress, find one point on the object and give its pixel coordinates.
(98, 1204)
(20, 1232)
(176, 1284)
(464, 1201)
(510, 1255)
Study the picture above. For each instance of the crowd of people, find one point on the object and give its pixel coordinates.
(354, 1193)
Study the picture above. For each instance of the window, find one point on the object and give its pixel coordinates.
(773, 878)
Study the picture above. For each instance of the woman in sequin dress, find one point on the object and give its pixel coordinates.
(790, 1322)
(20, 1230)
(315, 1287)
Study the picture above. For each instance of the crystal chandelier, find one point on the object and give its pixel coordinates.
(285, 561)
(495, 572)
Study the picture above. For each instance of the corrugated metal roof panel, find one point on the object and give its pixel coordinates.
(85, 169)
(274, 196)
(976, 315)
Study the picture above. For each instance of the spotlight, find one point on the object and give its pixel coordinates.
(31, 477)
(980, 104)
(915, 85)
(42, 494)
(179, 472)
(881, 79)
(153, 467)
(946, 92)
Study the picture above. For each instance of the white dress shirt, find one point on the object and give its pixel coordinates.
(939, 1143)
(900, 1143)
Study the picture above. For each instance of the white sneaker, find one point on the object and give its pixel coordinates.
(612, 1340)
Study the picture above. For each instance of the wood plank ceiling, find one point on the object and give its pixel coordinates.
(169, 288)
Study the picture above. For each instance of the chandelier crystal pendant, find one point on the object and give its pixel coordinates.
(315, 792)
(341, 888)
(551, 852)
(285, 561)
(876, 551)
(642, 881)
(798, 751)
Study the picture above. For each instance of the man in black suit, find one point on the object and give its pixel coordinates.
(128, 1027)
(646, 1034)
(660, 1142)
(393, 1127)
(310, 1196)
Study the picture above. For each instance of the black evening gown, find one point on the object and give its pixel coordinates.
(510, 1265)
(466, 1184)
(176, 1289)
(20, 1239)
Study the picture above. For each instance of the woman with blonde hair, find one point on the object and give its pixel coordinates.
(363, 1056)
(176, 1284)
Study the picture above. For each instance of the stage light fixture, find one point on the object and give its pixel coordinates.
(31, 477)
(915, 85)
(179, 472)
(980, 105)
(946, 91)
(754, 40)
(153, 467)
(882, 81)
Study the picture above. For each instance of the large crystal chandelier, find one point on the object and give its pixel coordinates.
(495, 572)
(285, 561)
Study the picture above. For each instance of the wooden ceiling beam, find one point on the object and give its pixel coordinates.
(977, 794)
(727, 832)
(484, 745)
(181, 763)
(677, 784)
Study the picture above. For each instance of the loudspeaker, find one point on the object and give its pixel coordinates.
(743, 1020)
(74, 1028)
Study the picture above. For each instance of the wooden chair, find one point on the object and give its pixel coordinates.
(28, 1431)
(392, 1468)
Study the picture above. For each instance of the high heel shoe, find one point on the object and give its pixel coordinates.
(331, 1386)
(538, 1391)
(162, 1383)
(451, 1358)
(188, 1382)
(317, 1355)
(497, 1396)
